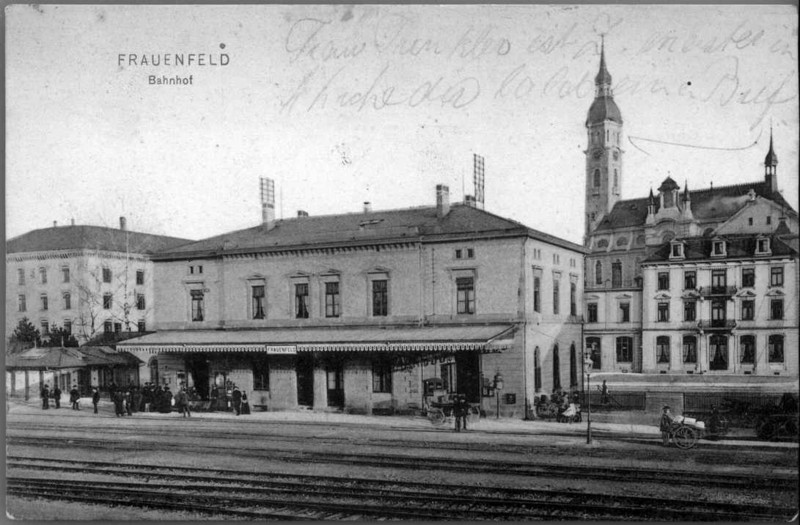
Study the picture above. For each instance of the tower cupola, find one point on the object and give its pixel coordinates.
(770, 167)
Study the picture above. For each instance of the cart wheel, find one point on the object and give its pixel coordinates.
(436, 415)
(685, 437)
(768, 430)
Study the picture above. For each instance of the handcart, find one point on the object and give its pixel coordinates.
(686, 431)
(441, 410)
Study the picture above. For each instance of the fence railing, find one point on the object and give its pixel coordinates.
(740, 408)
(615, 401)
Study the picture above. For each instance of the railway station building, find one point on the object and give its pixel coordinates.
(686, 281)
(361, 312)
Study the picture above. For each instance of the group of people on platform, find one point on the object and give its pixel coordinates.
(55, 394)
(148, 398)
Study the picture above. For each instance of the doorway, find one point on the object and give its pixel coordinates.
(335, 379)
(305, 379)
(197, 365)
(468, 375)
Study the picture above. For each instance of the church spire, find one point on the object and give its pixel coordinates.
(770, 166)
(603, 77)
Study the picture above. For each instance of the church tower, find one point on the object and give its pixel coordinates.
(603, 152)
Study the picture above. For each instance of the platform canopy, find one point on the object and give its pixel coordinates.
(486, 338)
(57, 358)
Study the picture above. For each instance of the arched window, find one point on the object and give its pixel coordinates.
(718, 351)
(668, 236)
(596, 178)
(689, 349)
(556, 369)
(537, 371)
(598, 273)
(573, 367)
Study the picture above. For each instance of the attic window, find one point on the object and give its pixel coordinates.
(718, 249)
(676, 251)
(762, 246)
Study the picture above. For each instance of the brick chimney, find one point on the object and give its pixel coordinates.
(55, 224)
(302, 213)
(442, 200)
(267, 187)
(469, 200)
(122, 224)
(367, 207)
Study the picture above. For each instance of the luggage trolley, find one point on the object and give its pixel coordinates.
(686, 431)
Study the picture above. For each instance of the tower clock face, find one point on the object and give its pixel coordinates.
(616, 155)
(597, 153)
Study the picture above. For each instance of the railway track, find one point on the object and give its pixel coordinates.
(280, 496)
(397, 461)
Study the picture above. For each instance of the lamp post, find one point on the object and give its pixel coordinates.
(587, 363)
(498, 386)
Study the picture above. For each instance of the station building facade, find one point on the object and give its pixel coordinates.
(355, 312)
(650, 311)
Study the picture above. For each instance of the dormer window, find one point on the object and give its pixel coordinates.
(762, 246)
(676, 250)
(718, 249)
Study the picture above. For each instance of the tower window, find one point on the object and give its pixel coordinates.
(596, 178)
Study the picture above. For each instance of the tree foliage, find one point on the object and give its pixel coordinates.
(61, 337)
(26, 332)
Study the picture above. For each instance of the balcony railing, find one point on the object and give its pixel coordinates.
(716, 325)
(718, 291)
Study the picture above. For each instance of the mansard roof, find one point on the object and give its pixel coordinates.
(718, 203)
(91, 238)
(736, 247)
(374, 227)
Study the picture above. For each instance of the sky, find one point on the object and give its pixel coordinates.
(346, 104)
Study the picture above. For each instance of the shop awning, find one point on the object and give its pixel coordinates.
(293, 340)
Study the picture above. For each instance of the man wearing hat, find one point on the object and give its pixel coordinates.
(666, 424)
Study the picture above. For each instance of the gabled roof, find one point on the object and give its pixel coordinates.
(712, 203)
(92, 238)
(57, 358)
(736, 247)
(407, 224)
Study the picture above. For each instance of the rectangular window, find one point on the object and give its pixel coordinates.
(141, 326)
(719, 248)
(719, 281)
(748, 277)
(689, 349)
(44, 301)
(140, 302)
(67, 301)
(465, 295)
(117, 328)
(45, 328)
(43, 275)
(748, 344)
(21, 276)
(690, 311)
(776, 276)
(332, 299)
(21, 303)
(68, 326)
(65, 274)
(140, 277)
(260, 372)
(301, 301)
(748, 310)
(663, 280)
(624, 350)
(382, 377)
(718, 312)
(198, 306)
(556, 295)
(537, 294)
(616, 275)
(380, 298)
(573, 304)
(108, 327)
(624, 312)
(458, 254)
(470, 253)
(107, 300)
(662, 349)
(762, 246)
(257, 298)
(106, 275)
(592, 312)
(775, 349)
(448, 374)
(677, 250)
(776, 309)
(663, 312)
(689, 280)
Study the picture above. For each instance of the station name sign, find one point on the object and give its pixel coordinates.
(281, 349)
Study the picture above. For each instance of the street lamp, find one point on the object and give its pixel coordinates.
(587, 363)
(498, 386)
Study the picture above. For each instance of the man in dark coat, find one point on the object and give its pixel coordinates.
(112, 389)
(57, 395)
(236, 396)
(46, 397)
(166, 401)
(119, 403)
(95, 399)
(74, 397)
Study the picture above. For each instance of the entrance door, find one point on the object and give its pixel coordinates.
(468, 375)
(335, 377)
(305, 379)
(197, 366)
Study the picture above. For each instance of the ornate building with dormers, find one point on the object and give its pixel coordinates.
(685, 281)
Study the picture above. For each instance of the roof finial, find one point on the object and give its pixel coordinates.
(603, 77)
(771, 159)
